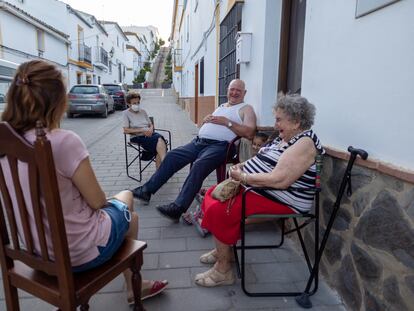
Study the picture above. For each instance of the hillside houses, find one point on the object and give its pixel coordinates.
(86, 50)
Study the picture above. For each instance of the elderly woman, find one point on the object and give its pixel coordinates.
(288, 161)
(137, 123)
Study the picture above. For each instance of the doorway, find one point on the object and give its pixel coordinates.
(196, 94)
(291, 46)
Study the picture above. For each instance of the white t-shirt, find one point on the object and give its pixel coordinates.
(221, 132)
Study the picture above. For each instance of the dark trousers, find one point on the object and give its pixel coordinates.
(205, 154)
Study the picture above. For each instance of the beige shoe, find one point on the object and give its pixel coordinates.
(209, 258)
(213, 277)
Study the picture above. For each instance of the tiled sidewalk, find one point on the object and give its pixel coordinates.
(174, 249)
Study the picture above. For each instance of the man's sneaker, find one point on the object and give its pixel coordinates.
(141, 195)
(171, 211)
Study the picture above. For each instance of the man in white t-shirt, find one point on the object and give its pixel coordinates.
(207, 151)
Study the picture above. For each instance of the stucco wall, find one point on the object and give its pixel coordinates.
(262, 19)
(359, 73)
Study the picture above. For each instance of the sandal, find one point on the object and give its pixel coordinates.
(213, 277)
(209, 258)
(156, 288)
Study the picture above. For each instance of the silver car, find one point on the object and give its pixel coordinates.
(89, 99)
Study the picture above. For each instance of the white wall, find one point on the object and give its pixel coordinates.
(55, 50)
(119, 43)
(202, 44)
(262, 19)
(210, 70)
(359, 73)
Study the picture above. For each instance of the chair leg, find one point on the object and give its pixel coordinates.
(12, 297)
(137, 283)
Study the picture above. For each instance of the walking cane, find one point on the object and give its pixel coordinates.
(304, 300)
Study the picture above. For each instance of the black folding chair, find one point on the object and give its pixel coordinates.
(140, 154)
(313, 266)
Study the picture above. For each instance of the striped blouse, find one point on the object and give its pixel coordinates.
(266, 160)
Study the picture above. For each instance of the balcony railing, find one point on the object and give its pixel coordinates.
(178, 62)
(85, 53)
(101, 57)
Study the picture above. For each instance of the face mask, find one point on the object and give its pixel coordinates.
(135, 108)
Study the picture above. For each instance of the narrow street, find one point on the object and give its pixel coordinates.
(174, 249)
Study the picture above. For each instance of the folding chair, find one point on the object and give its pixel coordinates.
(142, 154)
(36, 273)
(313, 267)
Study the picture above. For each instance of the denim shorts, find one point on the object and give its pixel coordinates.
(120, 218)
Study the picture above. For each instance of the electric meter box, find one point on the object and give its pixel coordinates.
(243, 47)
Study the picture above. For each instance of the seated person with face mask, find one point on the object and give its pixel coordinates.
(137, 123)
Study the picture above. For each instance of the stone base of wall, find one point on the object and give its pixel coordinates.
(369, 257)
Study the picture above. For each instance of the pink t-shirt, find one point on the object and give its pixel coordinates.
(86, 228)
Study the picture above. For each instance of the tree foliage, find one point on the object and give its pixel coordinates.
(141, 76)
(168, 68)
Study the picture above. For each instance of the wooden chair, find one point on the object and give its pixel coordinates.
(36, 273)
(140, 154)
(305, 219)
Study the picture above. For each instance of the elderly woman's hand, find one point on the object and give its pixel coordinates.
(236, 171)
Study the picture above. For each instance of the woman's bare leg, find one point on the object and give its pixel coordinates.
(161, 148)
(127, 197)
(157, 161)
(224, 255)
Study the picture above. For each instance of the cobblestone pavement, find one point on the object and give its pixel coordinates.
(174, 249)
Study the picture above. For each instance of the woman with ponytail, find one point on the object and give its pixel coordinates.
(95, 226)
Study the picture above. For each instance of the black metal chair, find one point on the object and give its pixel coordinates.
(313, 265)
(140, 154)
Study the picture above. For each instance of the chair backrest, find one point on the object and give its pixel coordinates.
(232, 156)
(32, 165)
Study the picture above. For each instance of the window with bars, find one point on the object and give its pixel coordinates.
(228, 69)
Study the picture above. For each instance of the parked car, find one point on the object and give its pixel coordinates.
(89, 99)
(118, 91)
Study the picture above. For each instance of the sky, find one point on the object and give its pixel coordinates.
(157, 13)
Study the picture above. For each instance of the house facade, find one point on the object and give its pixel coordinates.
(43, 40)
(87, 51)
(352, 59)
(133, 55)
(118, 56)
(148, 34)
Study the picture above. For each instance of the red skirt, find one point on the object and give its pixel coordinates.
(224, 222)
